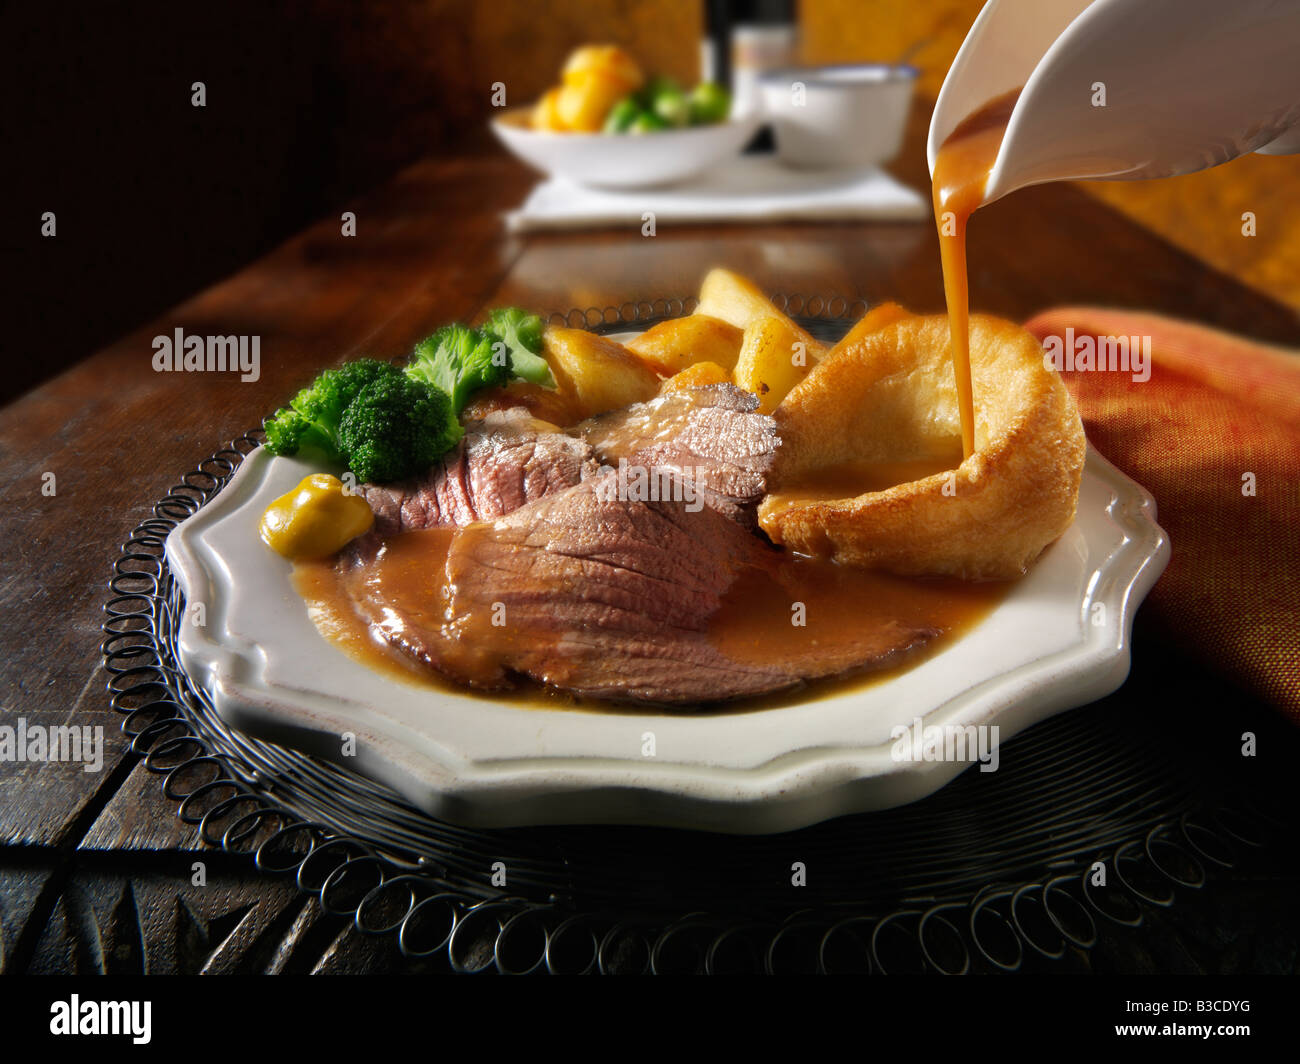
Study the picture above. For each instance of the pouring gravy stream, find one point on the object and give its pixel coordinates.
(961, 173)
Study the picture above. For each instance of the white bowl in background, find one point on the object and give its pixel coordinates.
(624, 160)
(838, 116)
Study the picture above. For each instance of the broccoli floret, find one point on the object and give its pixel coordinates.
(522, 334)
(310, 422)
(370, 417)
(330, 393)
(386, 423)
(285, 430)
(460, 361)
(397, 427)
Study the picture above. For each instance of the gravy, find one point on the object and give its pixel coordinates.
(754, 623)
(848, 480)
(961, 173)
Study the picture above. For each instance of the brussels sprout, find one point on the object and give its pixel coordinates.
(655, 87)
(672, 106)
(709, 102)
(622, 115)
(647, 122)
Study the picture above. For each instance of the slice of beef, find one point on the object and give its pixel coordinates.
(712, 436)
(537, 561)
(603, 597)
(505, 460)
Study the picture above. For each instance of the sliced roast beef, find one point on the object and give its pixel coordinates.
(507, 459)
(712, 436)
(526, 557)
(598, 595)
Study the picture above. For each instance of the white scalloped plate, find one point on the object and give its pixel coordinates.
(478, 762)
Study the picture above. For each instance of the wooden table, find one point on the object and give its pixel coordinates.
(95, 868)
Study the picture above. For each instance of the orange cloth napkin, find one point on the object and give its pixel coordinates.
(1216, 407)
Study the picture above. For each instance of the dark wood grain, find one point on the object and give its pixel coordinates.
(430, 248)
(138, 818)
(157, 922)
(21, 890)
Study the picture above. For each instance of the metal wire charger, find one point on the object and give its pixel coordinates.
(992, 873)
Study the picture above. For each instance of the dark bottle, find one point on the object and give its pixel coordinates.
(746, 38)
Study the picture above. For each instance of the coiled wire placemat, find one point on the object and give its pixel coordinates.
(994, 872)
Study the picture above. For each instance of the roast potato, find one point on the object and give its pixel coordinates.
(609, 61)
(773, 359)
(696, 376)
(595, 78)
(876, 318)
(546, 113)
(739, 301)
(583, 103)
(671, 346)
(595, 372)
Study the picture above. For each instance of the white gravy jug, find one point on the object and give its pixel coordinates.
(1127, 89)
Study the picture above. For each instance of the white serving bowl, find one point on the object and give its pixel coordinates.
(838, 116)
(624, 160)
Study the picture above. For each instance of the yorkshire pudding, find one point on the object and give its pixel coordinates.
(884, 398)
